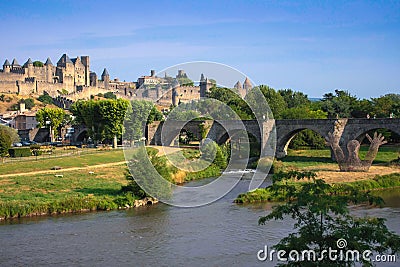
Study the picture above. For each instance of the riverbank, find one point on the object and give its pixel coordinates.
(379, 182)
(80, 183)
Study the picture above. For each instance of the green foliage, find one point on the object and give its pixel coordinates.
(385, 105)
(155, 115)
(322, 217)
(13, 133)
(63, 91)
(46, 99)
(110, 95)
(294, 99)
(150, 174)
(184, 81)
(5, 142)
(307, 138)
(139, 113)
(51, 118)
(29, 104)
(211, 171)
(209, 151)
(103, 118)
(2, 97)
(38, 63)
(275, 101)
(233, 100)
(17, 152)
(340, 104)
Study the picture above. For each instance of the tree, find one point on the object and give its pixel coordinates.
(139, 113)
(113, 113)
(322, 219)
(149, 174)
(38, 64)
(13, 133)
(294, 99)
(385, 105)
(5, 143)
(45, 99)
(233, 100)
(340, 104)
(275, 101)
(110, 95)
(103, 118)
(88, 113)
(51, 118)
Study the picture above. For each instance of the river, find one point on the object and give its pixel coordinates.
(219, 234)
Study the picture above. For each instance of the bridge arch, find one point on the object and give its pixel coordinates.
(360, 134)
(284, 137)
(81, 136)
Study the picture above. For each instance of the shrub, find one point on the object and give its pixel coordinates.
(20, 152)
(46, 99)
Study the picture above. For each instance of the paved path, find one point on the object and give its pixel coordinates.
(63, 170)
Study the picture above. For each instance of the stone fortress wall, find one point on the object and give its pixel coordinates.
(71, 79)
(67, 76)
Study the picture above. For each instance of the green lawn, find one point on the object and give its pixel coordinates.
(63, 162)
(48, 187)
(75, 190)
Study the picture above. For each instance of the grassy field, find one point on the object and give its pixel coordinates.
(315, 157)
(96, 186)
(74, 160)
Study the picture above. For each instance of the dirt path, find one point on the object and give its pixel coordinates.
(164, 150)
(63, 170)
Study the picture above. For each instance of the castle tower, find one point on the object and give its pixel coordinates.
(158, 90)
(66, 71)
(238, 86)
(86, 62)
(105, 77)
(49, 70)
(15, 66)
(247, 86)
(29, 66)
(93, 79)
(175, 86)
(205, 86)
(6, 66)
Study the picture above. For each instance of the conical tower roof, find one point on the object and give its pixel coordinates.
(48, 62)
(28, 62)
(105, 73)
(247, 84)
(6, 63)
(64, 59)
(15, 63)
(238, 85)
(202, 78)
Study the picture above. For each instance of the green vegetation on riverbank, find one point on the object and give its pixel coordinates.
(84, 183)
(379, 182)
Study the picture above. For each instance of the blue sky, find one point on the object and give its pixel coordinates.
(309, 46)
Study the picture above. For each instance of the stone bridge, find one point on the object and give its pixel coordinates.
(285, 130)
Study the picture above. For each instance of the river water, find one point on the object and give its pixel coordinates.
(219, 234)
